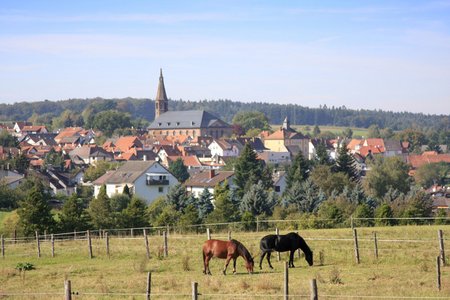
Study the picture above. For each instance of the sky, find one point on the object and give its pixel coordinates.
(389, 55)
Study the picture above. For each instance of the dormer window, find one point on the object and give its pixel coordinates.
(178, 123)
(159, 124)
(192, 123)
(168, 123)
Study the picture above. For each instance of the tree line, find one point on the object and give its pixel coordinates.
(142, 111)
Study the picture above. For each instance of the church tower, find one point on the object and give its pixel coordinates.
(161, 101)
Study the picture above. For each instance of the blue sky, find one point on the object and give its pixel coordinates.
(390, 55)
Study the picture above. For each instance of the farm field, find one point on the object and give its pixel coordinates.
(406, 267)
(357, 132)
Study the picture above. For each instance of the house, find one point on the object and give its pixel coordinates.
(393, 148)
(286, 136)
(146, 179)
(428, 157)
(191, 123)
(18, 126)
(59, 182)
(88, 154)
(225, 147)
(10, 178)
(279, 182)
(208, 179)
(164, 151)
(44, 139)
(86, 136)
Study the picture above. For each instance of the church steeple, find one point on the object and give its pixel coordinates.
(286, 124)
(161, 101)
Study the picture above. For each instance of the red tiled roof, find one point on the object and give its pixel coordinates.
(204, 179)
(188, 161)
(417, 161)
(125, 143)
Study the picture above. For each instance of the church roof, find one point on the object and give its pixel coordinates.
(187, 119)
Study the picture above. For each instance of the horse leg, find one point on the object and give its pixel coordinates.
(261, 259)
(226, 265)
(291, 259)
(234, 265)
(268, 259)
(207, 270)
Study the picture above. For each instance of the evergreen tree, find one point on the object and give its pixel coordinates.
(190, 216)
(21, 163)
(179, 170)
(383, 215)
(34, 212)
(257, 200)
(306, 196)
(73, 216)
(126, 191)
(298, 171)
(364, 211)
(316, 131)
(135, 214)
(176, 197)
(322, 157)
(345, 162)
(247, 169)
(224, 208)
(119, 202)
(204, 204)
(100, 210)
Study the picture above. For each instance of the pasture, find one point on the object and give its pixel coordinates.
(406, 267)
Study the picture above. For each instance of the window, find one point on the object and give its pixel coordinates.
(168, 123)
(178, 123)
(277, 188)
(159, 124)
(160, 189)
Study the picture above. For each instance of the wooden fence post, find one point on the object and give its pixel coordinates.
(89, 243)
(375, 244)
(229, 235)
(194, 291)
(286, 280)
(277, 232)
(166, 250)
(74, 234)
(355, 237)
(15, 235)
(441, 246)
(208, 233)
(438, 272)
(146, 244)
(67, 290)
(257, 224)
(52, 239)
(38, 244)
(132, 232)
(313, 287)
(3, 246)
(107, 243)
(149, 284)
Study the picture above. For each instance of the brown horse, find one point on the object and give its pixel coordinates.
(226, 250)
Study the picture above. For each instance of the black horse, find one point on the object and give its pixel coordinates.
(281, 243)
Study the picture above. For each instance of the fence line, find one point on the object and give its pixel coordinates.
(98, 232)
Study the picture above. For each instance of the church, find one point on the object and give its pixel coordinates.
(193, 123)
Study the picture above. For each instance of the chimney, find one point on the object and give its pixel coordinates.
(212, 173)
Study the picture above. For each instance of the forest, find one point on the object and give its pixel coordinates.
(142, 111)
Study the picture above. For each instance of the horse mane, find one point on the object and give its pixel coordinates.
(304, 246)
(243, 251)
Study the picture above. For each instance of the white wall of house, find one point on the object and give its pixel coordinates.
(216, 149)
(140, 188)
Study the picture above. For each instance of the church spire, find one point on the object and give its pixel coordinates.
(161, 101)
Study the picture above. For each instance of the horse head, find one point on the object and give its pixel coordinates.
(249, 264)
(309, 258)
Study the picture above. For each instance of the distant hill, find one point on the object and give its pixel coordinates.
(226, 109)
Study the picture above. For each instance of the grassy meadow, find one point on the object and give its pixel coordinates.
(406, 267)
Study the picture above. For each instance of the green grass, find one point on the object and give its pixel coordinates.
(357, 132)
(404, 269)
